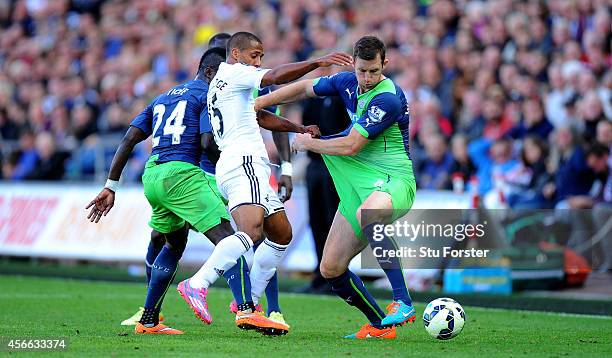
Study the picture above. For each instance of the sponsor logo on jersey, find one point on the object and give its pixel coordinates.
(360, 104)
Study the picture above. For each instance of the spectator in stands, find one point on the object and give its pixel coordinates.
(462, 169)
(604, 133)
(8, 165)
(113, 119)
(526, 181)
(428, 112)
(497, 124)
(598, 160)
(26, 159)
(76, 69)
(82, 122)
(590, 113)
(532, 121)
(556, 98)
(433, 171)
(572, 176)
(50, 163)
(470, 121)
(590, 223)
(8, 128)
(491, 159)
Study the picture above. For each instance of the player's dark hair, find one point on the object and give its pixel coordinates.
(219, 40)
(598, 150)
(211, 58)
(367, 47)
(241, 40)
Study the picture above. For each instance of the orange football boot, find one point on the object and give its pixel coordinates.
(159, 329)
(369, 331)
(259, 322)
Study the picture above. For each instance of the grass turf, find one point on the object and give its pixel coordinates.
(89, 313)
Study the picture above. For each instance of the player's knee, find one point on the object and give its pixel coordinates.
(177, 240)
(219, 232)
(372, 215)
(283, 238)
(330, 269)
(157, 238)
(177, 244)
(250, 225)
(255, 232)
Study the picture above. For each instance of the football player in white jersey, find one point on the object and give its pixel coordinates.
(243, 170)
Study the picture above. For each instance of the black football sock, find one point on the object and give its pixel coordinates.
(392, 266)
(351, 289)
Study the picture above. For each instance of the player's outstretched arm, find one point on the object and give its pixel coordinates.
(292, 71)
(271, 121)
(105, 200)
(348, 145)
(132, 137)
(291, 93)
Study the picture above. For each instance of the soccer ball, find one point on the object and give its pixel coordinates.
(444, 318)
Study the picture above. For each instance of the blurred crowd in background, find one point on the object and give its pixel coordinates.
(508, 99)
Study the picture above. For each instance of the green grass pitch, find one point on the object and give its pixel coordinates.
(88, 313)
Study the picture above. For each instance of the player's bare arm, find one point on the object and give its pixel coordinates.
(292, 71)
(104, 201)
(348, 145)
(285, 184)
(291, 93)
(271, 121)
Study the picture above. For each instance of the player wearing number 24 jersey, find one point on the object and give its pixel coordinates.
(178, 191)
(180, 136)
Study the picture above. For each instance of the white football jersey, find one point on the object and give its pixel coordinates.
(231, 110)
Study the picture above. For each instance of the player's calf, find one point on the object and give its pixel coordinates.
(270, 253)
(163, 270)
(352, 290)
(155, 246)
(219, 232)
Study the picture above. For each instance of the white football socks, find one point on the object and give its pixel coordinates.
(267, 258)
(223, 258)
(249, 256)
